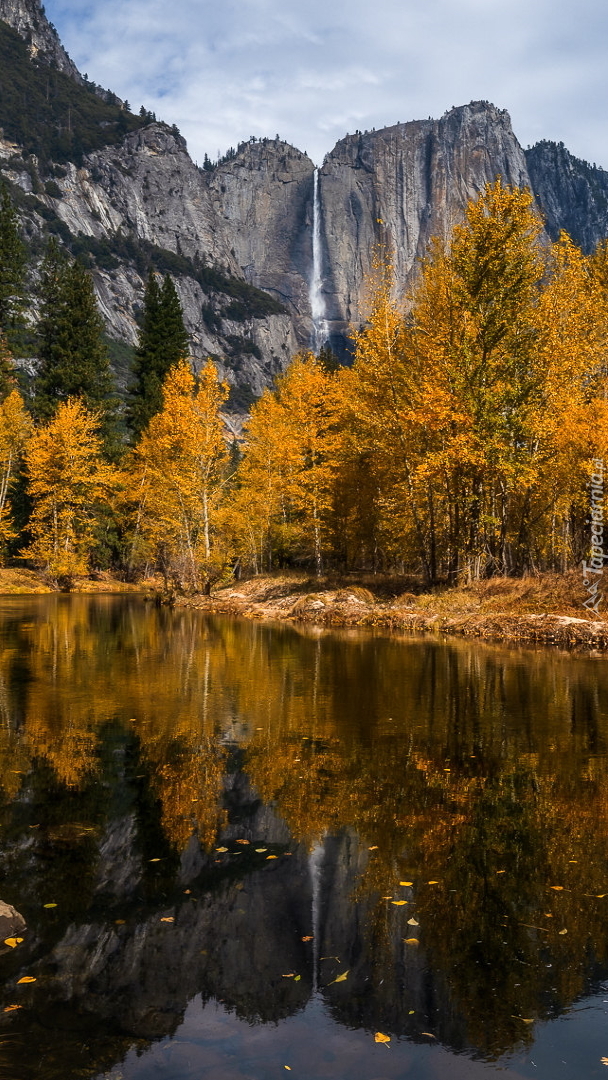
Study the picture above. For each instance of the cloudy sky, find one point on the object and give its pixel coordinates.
(313, 72)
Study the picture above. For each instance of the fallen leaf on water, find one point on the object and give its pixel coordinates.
(342, 977)
(557, 888)
(167, 918)
(187, 892)
(600, 895)
(548, 915)
(297, 978)
(374, 847)
(13, 941)
(524, 1019)
(11, 1008)
(380, 1038)
(429, 1033)
(288, 1067)
(307, 937)
(272, 857)
(563, 931)
(411, 1012)
(412, 922)
(501, 871)
(154, 860)
(49, 905)
(241, 841)
(221, 849)
(290, 976)
(26, 979)
(399, 903)
(119, 922)
(406, 882)
(411, 941)
(260, 849)
(433, 883)
(387, 897)
(603, 1060)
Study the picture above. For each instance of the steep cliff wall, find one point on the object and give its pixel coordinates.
(262, 202)
(570, 193)
(401, 186)
(28, 19)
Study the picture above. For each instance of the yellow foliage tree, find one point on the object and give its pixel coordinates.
(15, 429)
(286, 481)
(179, 472)
(67, 481)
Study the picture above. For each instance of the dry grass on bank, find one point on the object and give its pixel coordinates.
(547, 608)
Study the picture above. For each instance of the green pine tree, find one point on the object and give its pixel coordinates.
(12, 265)
(162, 342)
(73, 356)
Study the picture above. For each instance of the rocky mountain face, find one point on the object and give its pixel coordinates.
(251, 240)
(572, 194)
(28, 19)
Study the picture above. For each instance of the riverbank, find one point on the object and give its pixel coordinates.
(16, 581)
(547, 609)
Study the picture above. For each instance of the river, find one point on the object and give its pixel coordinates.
(244, 850)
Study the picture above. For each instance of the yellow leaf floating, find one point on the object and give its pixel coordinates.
(13, 941)
(307, 937)
(406, 882)
(603, 1060)
(380, 1038)
(600, 895)
(412, 922)
(343, 977)
(271, 857)
(374, 847)
(557, 888)
(563, 931)
(221, 849)
(168, 918)
(399, 903)
(258, 849)
(411, 941)
(158, 860)
(433, 883)
(11, 1008)
(26, 979)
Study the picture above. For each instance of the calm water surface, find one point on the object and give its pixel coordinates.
(242, 849)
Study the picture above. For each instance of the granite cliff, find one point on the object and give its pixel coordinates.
(123, 194)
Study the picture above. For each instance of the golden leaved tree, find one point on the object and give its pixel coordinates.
(68, 480)
(179, 469)
(286, 481)
(15, 429)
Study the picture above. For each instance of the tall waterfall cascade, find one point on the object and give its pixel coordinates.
(317, 300)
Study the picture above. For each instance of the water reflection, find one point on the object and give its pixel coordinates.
(245, 813)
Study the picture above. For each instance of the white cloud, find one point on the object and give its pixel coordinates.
(265, 66)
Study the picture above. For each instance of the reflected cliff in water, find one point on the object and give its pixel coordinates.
(242, 812)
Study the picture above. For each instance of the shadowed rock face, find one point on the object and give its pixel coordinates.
(571, 194)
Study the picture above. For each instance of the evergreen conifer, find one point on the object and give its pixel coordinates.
(73, 357)
(162, 342)
(12, 265)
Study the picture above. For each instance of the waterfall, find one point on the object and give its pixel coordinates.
(317, 301)
(315, 865)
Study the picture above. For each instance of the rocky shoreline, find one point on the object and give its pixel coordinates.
(271, 599)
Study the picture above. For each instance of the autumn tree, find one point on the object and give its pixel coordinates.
(283, 504)
(163, 341)
(15, 429)
(68, 482)
(178, 473)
